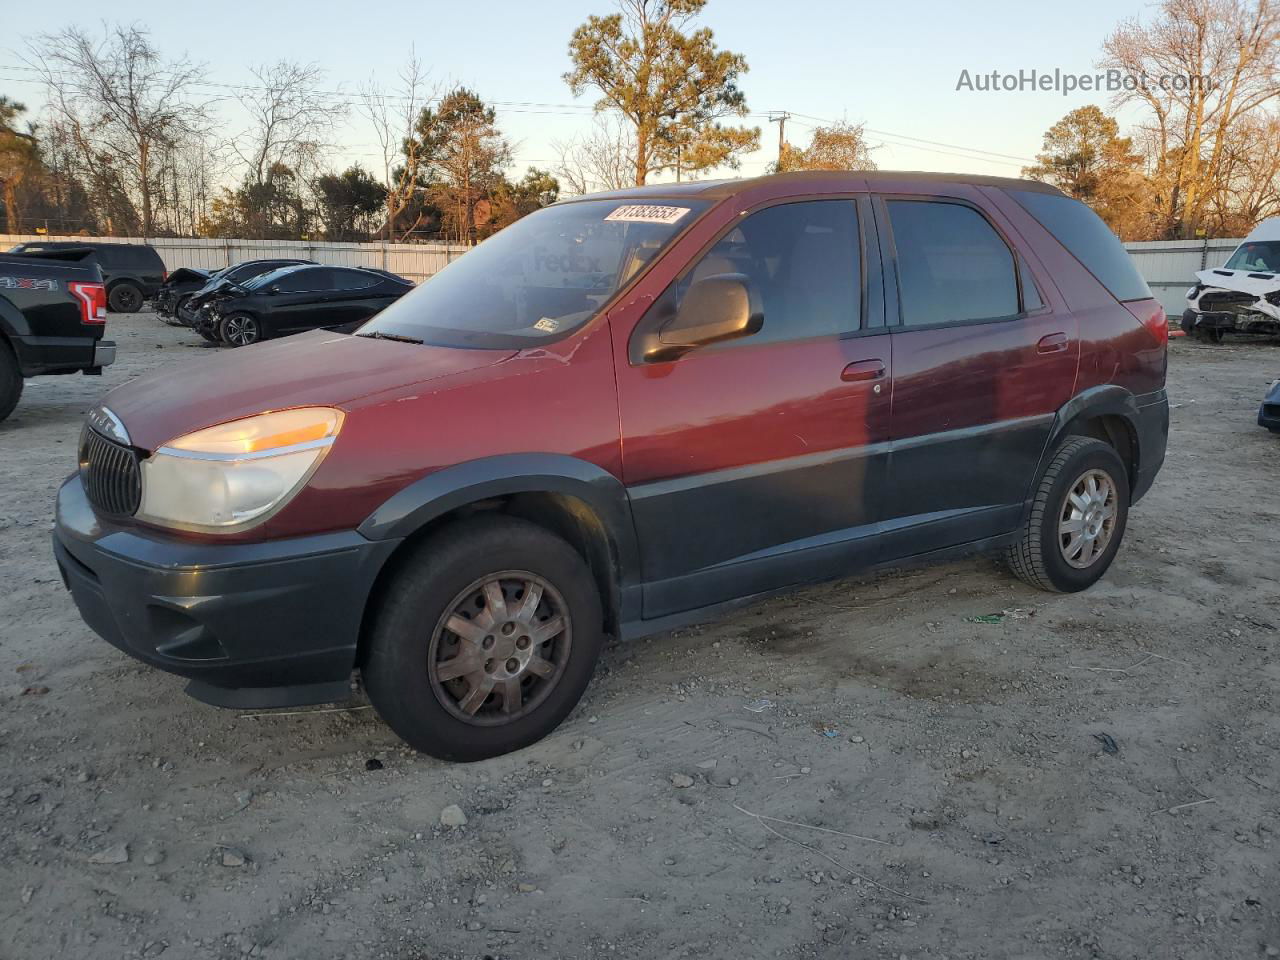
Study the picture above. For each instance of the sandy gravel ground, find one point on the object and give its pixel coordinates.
(135, 822)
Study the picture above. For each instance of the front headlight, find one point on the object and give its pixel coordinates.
(227, 477)
(1193, 292)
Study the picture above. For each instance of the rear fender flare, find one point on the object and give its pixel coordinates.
(1103, 400)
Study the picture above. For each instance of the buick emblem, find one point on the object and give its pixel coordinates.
(108, 424)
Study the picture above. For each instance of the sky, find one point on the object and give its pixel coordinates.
(893, 67)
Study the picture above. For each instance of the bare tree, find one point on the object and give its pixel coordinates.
(1205, 66)
(291, 119)
(120, 103)
(394, 116)
(604, 159)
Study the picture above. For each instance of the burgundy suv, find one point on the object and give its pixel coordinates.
(624, 413)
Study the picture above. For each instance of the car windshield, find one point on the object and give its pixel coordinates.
(541, 277)
(1256, 257)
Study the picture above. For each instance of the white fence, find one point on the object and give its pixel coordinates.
(414, 261)
(1169, 266)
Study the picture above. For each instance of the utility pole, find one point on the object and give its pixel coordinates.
(780, 117)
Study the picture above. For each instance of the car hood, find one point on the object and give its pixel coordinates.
(316, 368)
(1241, 281)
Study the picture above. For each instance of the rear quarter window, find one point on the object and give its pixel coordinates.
(1088, 239)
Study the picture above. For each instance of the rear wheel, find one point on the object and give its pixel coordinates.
(125, 298)
(485, 640)
(1077, 518)
(10, 380)
(239, 330)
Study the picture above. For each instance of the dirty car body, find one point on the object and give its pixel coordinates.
(624, 413)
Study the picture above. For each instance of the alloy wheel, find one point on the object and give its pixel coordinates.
(1088, 519)
(242, 331)
(500, 648)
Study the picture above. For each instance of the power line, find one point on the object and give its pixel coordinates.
(537, 108)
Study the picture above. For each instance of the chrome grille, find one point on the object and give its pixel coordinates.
(109, 470)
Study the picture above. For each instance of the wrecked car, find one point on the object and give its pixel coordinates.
(1244, 295)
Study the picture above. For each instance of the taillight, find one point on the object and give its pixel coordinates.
(1150, 313)
(93, 302)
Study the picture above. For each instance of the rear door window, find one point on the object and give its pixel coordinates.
(953, 267)
(1088, 239)
(352, 280)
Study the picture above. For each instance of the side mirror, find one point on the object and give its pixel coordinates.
(713, 309)
(273, 289)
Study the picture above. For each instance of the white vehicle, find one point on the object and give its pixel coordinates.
(1243, 295)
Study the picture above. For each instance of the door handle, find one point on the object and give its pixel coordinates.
(863, 370)
(1052, 343)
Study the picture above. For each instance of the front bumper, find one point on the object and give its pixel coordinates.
(1153, 437)
(250, 624)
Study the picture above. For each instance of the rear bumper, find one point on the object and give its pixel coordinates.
(1153, 437)
(42, 355)
(251, 625)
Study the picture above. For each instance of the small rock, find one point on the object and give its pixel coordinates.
(111, 855)
(6, 793)
(452, 816)
(733, 781)
(526, 887)
(547, 782)
(707, 765)
(37, 691)
(857, 739)
(681, 780)
(231, 857)
(153, 857)
(804, 770)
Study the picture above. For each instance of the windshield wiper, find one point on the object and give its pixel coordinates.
(379, 335)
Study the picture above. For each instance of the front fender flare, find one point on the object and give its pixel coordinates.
(438, 493)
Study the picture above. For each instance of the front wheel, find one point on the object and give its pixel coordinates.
(239, 330)
(1077, 518)
(484, 640)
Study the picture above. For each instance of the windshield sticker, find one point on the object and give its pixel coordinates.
(646, 213)
(547, 325)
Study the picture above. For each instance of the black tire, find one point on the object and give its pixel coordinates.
(239, 330)
(124, 298)
(407, 638)
(10, 380)
(1038, 556)
(1188, 321)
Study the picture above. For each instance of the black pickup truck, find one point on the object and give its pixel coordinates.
(53, 313)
